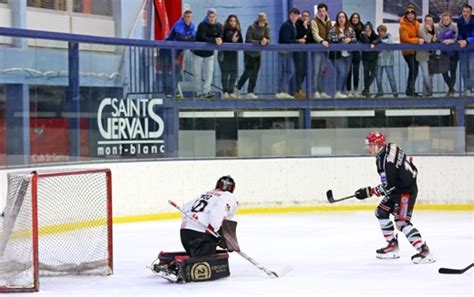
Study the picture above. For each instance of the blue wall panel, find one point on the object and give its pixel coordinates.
(333, 6)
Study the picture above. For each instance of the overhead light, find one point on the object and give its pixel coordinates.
(205, 114)
(416, 112)
(269, 114)
(342, 113)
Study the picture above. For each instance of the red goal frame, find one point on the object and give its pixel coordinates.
(34, 208)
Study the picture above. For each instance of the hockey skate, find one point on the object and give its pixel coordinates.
(423, 256)
(390, 251)
(164, 272)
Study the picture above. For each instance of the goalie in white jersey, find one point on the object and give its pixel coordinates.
(202, 261)
(211, 209)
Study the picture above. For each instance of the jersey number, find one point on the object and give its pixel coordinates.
(201, 204)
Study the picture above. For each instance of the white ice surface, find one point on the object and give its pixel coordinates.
(332, 254)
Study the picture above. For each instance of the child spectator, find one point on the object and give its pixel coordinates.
(385, 61)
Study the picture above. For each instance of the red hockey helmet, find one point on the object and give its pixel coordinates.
(226, 183)
(375, 137)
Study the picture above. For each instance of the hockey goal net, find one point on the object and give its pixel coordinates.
(55, 223)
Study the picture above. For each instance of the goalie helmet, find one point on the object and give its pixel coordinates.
(375, 137)
(226, 183)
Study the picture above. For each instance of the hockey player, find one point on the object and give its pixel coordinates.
(202, 261)
(399, 188)
(211, 209)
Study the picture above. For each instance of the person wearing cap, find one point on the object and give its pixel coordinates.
(211, 31)
(409, 33)
(466, 58)
(258, 33)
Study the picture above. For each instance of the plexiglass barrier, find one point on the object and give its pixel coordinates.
(74, 98)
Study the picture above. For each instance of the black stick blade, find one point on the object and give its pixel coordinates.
(330, 196)
(454, 271)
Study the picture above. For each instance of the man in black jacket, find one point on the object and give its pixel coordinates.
(369, 59)
(303, 31)
(209, 30)
(287, 35)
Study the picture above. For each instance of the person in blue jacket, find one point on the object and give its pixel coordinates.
(183, 30)
(466, 37)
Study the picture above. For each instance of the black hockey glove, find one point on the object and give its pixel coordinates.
(220, 240)
(380, 191)
(363, 193)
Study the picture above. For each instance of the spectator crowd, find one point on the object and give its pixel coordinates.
(301, 28)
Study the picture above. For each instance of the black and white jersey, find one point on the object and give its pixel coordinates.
(396, 169)
(210, 208)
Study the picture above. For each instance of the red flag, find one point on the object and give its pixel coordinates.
(162, 27)
(174, 10)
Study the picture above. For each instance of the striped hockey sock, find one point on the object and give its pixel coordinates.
(388, 229)
(413, 236)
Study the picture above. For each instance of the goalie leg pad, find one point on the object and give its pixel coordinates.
(206, 268)
(182, 268)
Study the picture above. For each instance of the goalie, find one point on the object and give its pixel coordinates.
(202, 260)
(399, 188)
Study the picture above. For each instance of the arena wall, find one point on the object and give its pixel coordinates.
(141, 189)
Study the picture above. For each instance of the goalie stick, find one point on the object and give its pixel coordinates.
(241, 253)
(454, 271)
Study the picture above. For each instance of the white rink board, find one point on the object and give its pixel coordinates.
(145, 187)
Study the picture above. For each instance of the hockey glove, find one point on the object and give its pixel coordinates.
(220, 240)
(380, 191)
(363, 193)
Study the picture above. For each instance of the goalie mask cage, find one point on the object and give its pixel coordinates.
(55, 223)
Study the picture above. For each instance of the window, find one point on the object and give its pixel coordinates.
(103, 7)
(48, 4)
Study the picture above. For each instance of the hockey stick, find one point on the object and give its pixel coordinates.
(454, 271)
(331, 199)
(244, 255)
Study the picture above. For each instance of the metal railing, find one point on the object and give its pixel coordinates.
(137, 77)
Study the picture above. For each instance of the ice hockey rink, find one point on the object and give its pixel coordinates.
(331, 254)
